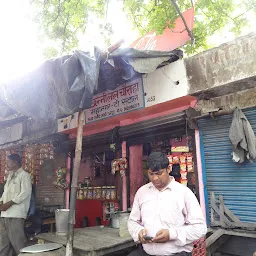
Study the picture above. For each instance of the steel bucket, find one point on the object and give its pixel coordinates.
(61, 218)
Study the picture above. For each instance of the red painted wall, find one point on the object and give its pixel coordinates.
(136, 173)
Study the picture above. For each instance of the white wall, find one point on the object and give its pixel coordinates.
(160, 86)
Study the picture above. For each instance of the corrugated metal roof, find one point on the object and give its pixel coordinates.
(236, 182)
(172, 120)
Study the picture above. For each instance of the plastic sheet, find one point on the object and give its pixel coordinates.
(62, 86)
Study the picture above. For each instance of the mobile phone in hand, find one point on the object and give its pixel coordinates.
(147, 238)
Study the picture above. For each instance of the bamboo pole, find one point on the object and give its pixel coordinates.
(73, 194)
(112, 48)
(78, 152)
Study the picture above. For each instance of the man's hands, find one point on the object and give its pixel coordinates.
(141, 235)
(6, 206)
(162, 236)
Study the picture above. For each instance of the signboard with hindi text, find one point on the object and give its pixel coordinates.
(123, 99)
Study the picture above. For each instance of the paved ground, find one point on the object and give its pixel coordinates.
(61, 252)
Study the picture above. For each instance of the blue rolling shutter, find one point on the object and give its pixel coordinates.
(236, 182)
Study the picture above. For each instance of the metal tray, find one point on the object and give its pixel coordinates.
(41, 248)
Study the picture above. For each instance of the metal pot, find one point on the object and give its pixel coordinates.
(118, 217)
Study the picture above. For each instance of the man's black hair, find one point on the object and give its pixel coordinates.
(16, 158)
(157, 161)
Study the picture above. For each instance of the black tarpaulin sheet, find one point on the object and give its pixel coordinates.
(62, 86)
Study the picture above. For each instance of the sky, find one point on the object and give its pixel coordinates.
(21, 52)
(18, 45)
(122, 27)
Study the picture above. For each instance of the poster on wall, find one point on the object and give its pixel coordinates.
(125, 98)
(67, 123)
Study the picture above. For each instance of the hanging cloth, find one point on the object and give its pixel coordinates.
(119, 165)
(242, 138)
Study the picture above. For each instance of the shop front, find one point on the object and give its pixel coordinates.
(113, 167)
(111, 173)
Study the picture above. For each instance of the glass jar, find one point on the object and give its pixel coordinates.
(90, 193)
(94, 190)
(85, 193)
(108, 193)
(81, 194)
(87, 181)
(113, 193)
(103, 192)
(98, 192)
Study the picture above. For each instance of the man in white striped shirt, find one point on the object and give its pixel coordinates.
(14, 206)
